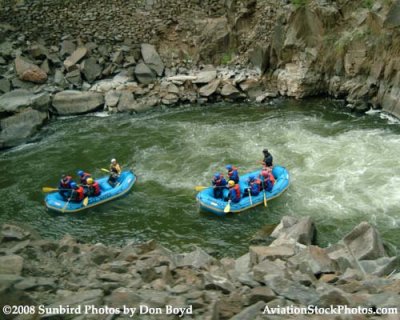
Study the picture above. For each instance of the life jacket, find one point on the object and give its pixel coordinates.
(115, 168)
(267, 175)
(255, 187)
(66, 182)
(268, 160)
(235, 193)
(233, 175)
(95, 189)
(85, 177)
(219, 182)
(78, 194)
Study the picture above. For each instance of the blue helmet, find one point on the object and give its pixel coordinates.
(80, 173)
(74, 185)
(229, 167)
(217, 175)
(252, 178)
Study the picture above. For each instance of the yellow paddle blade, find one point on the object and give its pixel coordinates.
(85, 201)
(199, 188)
(228, 207)
(105, 170)
(48, 189)
(265, 199)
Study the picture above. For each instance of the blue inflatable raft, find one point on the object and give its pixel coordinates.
(126, 180)
(208, 203)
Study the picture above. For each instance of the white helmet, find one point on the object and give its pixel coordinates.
(113, 160)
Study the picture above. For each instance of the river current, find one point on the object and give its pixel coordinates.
(344, 169)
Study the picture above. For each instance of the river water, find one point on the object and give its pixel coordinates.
(344, 170)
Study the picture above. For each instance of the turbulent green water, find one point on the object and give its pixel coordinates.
(344, 169)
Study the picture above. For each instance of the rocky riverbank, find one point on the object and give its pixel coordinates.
(96, 281)
(73, 57)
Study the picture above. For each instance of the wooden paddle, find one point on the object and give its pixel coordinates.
(199, 188)
(49, 189)
(85, 201)
(66, 205)
(228, 207)
(105, 170)
(251, 202)
(265, 196)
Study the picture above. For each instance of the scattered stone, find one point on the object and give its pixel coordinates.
(205, 76)
(74, 58)
(5, 85)
(91, 69)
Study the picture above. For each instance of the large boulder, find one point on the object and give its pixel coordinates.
(17, 100)
(301, 230)
(152, 58)
(75, 102)
(144, 74)
(27, 71)
(19, 127)
(365, 242)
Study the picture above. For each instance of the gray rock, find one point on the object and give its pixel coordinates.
(7, 281)
(41, 283)
(292, 290)
(259, 57)
(333, 297)
(59, 79)
(117, 57)
(343, 257)
(126, 101)
(196, 259)
(170, 99)
(112, 98)
(393, 17)
(11, 264)
(19, 127)
(75, 102)
(250, 313)
(15, 100)
(5, 85)
(230, 91)
(365, 242)
(205, 76)
(152, 58)
(380, 267)
(260, 253)
(67, 48)
(215, 282)
(41, 101)
(261, 294)
(38, 51)
(91, 69)
(74, 58)
(267, 269)
(144, 74)
(6, 49)
(74, 77)
(210, 88)
(11, 233)
(315, 259)
(302, 231)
